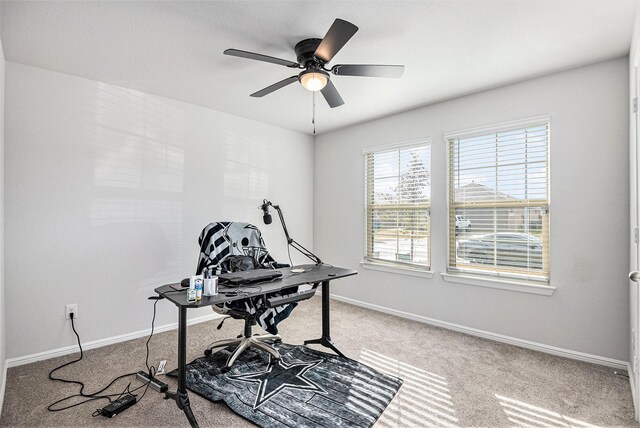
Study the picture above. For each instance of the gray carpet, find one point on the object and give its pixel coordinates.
(450, 379)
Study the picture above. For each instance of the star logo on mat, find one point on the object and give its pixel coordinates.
(279, 376)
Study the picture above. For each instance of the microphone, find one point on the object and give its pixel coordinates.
(266, 217)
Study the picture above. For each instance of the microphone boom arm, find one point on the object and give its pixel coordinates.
(292, 241)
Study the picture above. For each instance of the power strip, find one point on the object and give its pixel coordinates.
(118, 406)
(156, 384)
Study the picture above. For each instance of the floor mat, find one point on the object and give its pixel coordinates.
(305, 388)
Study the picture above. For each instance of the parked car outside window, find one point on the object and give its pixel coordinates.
(502, 249)
(462, 224)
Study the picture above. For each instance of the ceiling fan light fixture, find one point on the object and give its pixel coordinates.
(313, 57)
(313, 79)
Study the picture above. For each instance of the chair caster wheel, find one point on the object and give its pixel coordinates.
(207, 352)
(225, 369)
(277, 341)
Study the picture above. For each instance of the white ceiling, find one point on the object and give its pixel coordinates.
(449, 48)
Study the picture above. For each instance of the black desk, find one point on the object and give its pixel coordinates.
(314, 275)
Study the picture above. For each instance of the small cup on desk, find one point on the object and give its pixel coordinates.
(210, 286)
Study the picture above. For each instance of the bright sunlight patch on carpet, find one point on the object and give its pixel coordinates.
(526, 415)
(423, 399)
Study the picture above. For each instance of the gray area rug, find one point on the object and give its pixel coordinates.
(305, 388)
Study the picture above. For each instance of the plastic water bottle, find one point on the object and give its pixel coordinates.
(199, 287)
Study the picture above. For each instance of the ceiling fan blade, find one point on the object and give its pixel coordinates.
(332, 96)
(275, 87)
(368, 70)
(260, 57)
(337, 36)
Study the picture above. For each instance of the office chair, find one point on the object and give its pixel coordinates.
(230, 246)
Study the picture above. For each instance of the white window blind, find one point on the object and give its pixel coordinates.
(499, 202)
(397, 189)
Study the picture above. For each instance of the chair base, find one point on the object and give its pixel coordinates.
(244, 343)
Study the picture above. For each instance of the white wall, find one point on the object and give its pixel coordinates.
(589, 212)
(107, 190)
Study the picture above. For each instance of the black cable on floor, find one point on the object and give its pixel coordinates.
(98, 394)
(91, 396)
(151, 369)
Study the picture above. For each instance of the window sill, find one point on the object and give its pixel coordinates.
(518, 286)
(395, 269)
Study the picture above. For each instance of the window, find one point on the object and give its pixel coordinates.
(499, 201)
(398, 189)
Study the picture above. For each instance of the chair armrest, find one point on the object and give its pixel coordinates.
(277, 265)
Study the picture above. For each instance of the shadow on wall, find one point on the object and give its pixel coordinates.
(246, 176)
(139, 144)
(136, 213)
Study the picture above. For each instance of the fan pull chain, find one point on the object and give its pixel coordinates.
(313, 113)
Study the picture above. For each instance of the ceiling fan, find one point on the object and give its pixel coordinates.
(313, 56)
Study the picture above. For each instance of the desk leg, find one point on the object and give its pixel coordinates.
(180, 396)
(325, 340)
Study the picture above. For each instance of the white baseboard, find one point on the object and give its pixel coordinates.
(576, 355)
(26, 359)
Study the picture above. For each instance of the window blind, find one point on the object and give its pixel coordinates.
(397, 189)
(499, 203)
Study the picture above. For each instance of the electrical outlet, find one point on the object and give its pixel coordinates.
(71, 309)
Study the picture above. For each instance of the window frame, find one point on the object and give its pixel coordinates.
(509, 281)
(389, 265)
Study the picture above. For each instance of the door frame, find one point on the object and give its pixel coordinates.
(634, 211)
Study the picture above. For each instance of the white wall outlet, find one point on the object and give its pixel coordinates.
(71, 309)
